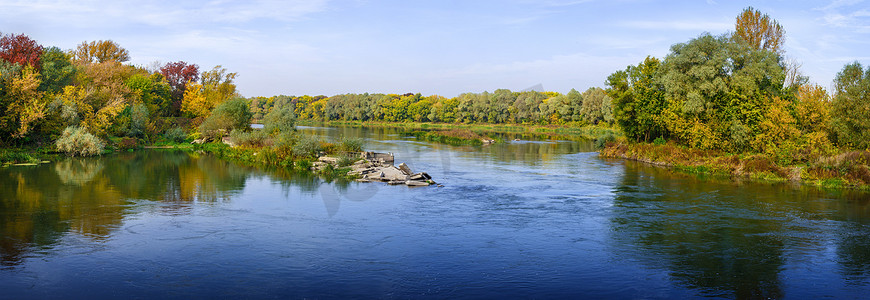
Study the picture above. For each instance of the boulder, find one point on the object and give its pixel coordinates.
(392, 173)
(420, 176)
(405, 169)
(416, 183)
(227, 140)
(329, 160)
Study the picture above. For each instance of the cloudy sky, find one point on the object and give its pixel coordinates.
(321, 47)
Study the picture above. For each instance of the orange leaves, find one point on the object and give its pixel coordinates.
(759, 30)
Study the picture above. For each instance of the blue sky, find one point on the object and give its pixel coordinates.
(433, 47)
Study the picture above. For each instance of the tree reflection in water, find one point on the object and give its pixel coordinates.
(716, 235)
(90, 196)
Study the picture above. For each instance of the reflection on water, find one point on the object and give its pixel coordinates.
(535, 218)
(733, 240)
(88, 196)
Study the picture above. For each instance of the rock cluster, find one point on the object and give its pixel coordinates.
(379, 167)
(394, 175)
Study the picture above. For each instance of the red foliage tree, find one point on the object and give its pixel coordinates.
(20, 49)
(177, 75)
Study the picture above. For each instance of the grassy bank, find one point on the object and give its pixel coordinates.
(591, 132)
(846, 170)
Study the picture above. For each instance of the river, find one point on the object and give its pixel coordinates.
(537, 218)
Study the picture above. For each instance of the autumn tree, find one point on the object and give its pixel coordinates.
(759, 31)
(27, 103)
(215, 88)
(178, 74)
(20, 49)
(100, 51)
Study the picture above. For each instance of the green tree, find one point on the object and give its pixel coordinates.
(638, 100)
(850, 109)
(597, 106)
(232, 114)
(57, 70)
(280, 119)
(717, 91)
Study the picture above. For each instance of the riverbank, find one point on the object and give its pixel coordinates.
(846, 170)
(591, 132)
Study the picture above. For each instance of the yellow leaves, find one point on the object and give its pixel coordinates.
(195, 102)
(28, 103)
(759, 30)
(813, 108)
(100, 51)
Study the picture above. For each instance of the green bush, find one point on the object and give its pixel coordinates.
(280, 120)
(660, 141)
(306, 146)
(232, 114)
(77, 141)
(602, 141)
(255, 138)
(344, 161)
(175, 135)
(350, 145)
(138, 121)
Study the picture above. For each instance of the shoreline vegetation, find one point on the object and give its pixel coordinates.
(732, 104)
(844, 170)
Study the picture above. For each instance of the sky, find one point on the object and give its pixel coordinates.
(323, 47)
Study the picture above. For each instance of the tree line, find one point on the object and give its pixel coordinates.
(501, 106)
(736, 92)
(88, 94)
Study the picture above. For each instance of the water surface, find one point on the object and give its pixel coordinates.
(538, 218)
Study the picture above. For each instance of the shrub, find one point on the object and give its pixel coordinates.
(249, 138)
(345, 161)
(280, 120)
(214, 127)
(77, 141)
(175, 135)
(602, 141)
(306, 147)
(660, 141)
(232, 114)
(128, 143)
(138, 120)
(350, 145)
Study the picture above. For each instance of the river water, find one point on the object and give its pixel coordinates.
(536, 218)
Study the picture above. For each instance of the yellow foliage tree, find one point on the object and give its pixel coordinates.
(195, 103)
(28, 103)
(759, 30)
(778, 134)
(216, 87)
